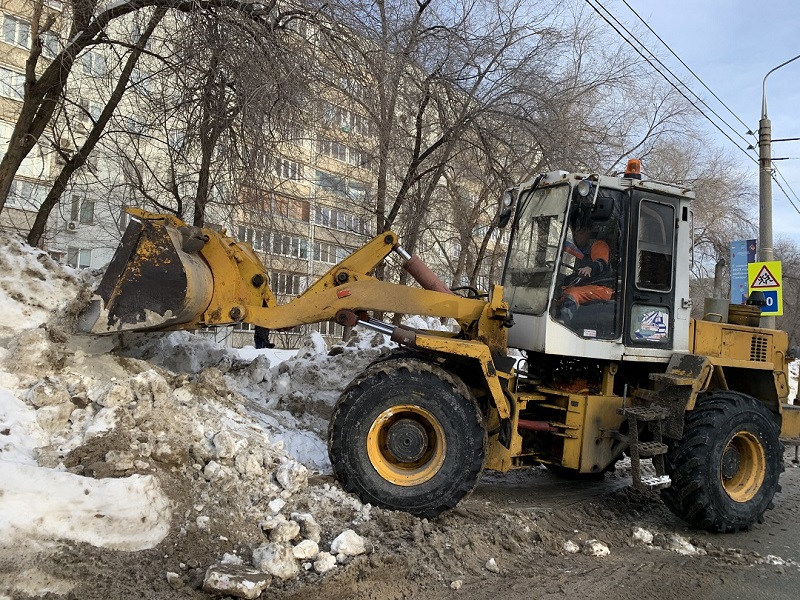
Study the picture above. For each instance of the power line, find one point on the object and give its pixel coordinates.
(667, 79)
(775, 179)
(696, 76)
(776, 171)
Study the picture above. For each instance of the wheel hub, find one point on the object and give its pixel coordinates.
(407, 440)
(406, 445)
(744, 465)
(731, 462)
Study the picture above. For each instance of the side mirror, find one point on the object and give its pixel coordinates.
(506, 204)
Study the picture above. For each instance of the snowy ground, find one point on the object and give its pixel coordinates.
(95, 431)
(138, 451)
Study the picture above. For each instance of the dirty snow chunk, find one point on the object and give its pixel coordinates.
(235, 580)
(54, 417)
(642, 536)
(119, 460)
(305, 550)
(225, 445)
(149, 386)
(112, 395)
(130, 513)
(325, 562)
(571, 547)
(491, 566)
(771, 559)
(272, 522)
(312, 345)
(283, 385)
(285, 531)
(456, 585)
(258, 369)
(214, 471)
(249, 463)
(292, 476)
(174, 580)
(203, 522)
(231, 559)
(277, 560)
(105, 420)
(682, 546)
(309, 528)
(47, 392)
(276, 505)
(596, 548)
(348, 543)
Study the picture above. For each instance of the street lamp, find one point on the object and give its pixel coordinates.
(765, 253)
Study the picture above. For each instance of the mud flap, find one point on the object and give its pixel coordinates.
(150, 284)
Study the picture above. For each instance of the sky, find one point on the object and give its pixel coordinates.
(731, 45)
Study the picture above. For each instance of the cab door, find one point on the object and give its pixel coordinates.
(650, 294)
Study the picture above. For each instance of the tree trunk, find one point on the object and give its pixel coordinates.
(79, 158)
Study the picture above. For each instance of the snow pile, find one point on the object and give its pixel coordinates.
(120, 442)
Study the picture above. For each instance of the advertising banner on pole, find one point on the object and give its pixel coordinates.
(743, 252)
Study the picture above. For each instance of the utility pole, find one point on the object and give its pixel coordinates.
(765, 249)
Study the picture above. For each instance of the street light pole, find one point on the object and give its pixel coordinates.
(765, 249)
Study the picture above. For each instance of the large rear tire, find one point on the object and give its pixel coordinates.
(725, 469)
(408, 436)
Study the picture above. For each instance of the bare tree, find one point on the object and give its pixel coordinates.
(788, 252)
(45, 83)
(75, 161)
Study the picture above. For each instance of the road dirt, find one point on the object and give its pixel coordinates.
(521, 520)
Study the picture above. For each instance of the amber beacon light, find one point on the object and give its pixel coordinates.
(633, 170)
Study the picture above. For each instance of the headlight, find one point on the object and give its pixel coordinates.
(584, 188)
(508, 198)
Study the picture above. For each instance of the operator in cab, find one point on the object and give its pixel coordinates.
(592, 278)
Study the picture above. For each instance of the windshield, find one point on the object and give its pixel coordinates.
(535, 248)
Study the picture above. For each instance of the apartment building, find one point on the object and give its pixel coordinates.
(304, 201)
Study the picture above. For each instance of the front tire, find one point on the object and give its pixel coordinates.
(408, 436)
(725, 469)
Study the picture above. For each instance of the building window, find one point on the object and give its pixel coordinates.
(288, 169)
(16, 31)
(333, 149)
(257, 158)
(93, 63)
(330, 253)
(82, 210)
(292, 208)
(330, 328)
(325, 216)
(26, 194)
(331, 184)
(259, 239)
(289, 245)
(79, 258)
(12, 84)
(91, 110)
(50, 45)
(289, 284)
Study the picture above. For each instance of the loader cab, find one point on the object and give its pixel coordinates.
(598, 266)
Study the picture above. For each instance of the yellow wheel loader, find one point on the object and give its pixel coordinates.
(595, 297)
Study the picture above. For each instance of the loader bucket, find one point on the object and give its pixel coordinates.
(150, 284)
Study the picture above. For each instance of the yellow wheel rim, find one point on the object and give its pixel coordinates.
(744, 465)
(406, 445)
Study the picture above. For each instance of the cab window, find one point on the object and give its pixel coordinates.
(655, 246)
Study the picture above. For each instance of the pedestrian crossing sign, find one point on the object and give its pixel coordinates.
(766, 277)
